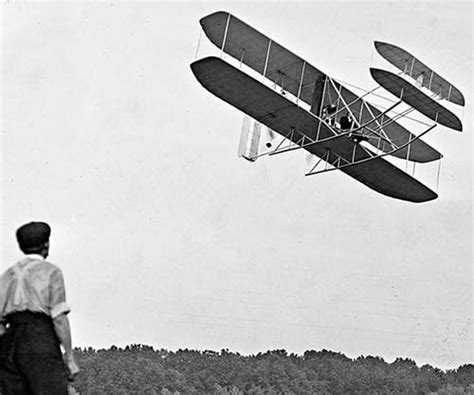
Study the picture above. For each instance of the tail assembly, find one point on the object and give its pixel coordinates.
(255, 140)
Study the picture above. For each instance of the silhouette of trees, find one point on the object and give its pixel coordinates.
(139, 369)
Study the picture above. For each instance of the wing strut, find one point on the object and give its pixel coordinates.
(225, 34)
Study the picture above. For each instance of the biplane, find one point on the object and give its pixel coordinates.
(314, 112)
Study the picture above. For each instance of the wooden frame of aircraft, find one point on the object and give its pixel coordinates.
(340, 128)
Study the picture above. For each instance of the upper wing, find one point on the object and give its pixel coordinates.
(282, 115)
(300, 78)
(250, 46)
(416, 69)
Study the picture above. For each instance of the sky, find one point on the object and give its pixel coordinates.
(167, 238)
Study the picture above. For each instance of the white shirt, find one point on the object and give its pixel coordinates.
(35, 285)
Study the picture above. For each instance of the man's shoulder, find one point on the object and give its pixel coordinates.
(51, 267)
(44, 266)
(8, 272)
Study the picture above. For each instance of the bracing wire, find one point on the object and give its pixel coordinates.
(401, 114)
(364, 90)
(438, 176)
(198, 45)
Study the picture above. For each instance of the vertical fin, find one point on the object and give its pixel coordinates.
(243, 137)
(249, 139)
(255, 139)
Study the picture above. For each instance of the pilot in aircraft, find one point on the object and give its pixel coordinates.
(346, 122)
(328, 112)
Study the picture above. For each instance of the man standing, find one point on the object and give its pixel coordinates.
(33, 321)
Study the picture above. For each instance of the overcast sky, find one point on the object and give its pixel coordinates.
(166, 238)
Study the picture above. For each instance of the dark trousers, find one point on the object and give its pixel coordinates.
(31, 361)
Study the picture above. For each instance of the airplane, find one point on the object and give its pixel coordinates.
(316, 113)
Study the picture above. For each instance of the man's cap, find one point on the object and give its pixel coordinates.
(33, 234)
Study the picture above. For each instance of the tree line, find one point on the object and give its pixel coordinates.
(140, 369)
